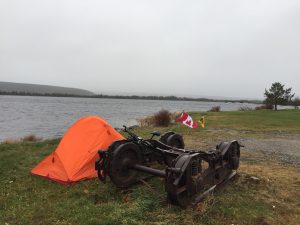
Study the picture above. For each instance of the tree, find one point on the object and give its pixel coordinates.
(278, 95)
(296, 102)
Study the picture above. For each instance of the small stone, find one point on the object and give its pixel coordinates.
(273, 206)
(86, 191)
(11, 181)
(255, 179)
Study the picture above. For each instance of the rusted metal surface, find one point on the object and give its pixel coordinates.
(189, 174)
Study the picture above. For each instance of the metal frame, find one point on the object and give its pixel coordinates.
(189, 174)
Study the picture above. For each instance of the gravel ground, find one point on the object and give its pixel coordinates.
(285, 147)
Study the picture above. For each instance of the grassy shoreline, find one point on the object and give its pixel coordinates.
(274, 199)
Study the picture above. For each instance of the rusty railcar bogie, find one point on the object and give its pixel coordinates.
(189, 175)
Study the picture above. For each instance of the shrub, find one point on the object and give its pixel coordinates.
(162, 118)
(296, 102)
(266, 106)
(245, 108)
(215, 109)
(269, 106)
(146, 121)
(30, 138)
(11, 141)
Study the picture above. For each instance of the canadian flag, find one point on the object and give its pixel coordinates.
(187, 120)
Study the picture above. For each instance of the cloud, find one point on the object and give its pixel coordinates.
(191, 48)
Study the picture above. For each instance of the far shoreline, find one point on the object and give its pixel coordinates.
(134, 97)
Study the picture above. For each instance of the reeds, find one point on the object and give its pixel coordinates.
(215, 109)
(27, 138)
(163, 118)
(266, 106)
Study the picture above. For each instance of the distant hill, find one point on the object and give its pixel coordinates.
(9, 87)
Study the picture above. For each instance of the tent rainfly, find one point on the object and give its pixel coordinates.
(74, 159)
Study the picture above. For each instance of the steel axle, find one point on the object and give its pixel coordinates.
(189, 175)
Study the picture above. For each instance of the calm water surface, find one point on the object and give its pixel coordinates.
(50, 117)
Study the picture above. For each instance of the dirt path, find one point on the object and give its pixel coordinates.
(281, 146)
(284, 146)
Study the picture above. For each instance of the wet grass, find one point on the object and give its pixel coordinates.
(257, 120)
(236, 124)
(274, 199)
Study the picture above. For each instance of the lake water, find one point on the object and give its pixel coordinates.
(50, 117)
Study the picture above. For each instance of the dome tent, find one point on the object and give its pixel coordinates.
(74, 158)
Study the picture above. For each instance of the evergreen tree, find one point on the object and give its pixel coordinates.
(277, 94)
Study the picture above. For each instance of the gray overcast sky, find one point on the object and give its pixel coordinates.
(184, 48)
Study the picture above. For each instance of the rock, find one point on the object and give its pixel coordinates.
(255, 179)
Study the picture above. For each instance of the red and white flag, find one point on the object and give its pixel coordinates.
(187, 120)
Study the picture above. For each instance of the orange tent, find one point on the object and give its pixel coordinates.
(74, 159)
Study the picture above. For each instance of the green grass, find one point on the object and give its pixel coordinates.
(257, 120)
(28, 199)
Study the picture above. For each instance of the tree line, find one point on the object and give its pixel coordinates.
(169, 98)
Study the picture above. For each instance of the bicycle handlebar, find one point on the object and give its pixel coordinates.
(130, 133)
